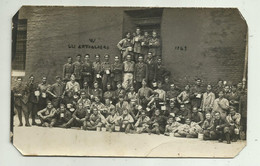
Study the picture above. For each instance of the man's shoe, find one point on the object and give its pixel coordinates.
(27, 125)
(21, 124)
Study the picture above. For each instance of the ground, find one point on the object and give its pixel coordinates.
(37, 140)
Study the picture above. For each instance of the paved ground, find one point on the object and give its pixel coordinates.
(75, 142)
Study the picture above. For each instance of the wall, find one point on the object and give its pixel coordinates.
(215, 44)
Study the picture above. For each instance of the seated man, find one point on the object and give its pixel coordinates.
(183, 114)
(112, 120)
(84, 100)
(158, 122)
(171, 126)
(233, 125)
(126, 121)
(109, 107)
(172, 110)
(207, 126)
(79, 118)
(142, 124)
(94, 120)
(121, 105)
(217, 129)
(48, 115)
(156, 103)
(197, 116)
(189, 130)
(63, 116)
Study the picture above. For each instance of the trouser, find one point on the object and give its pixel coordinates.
(48, 122)
(114, 84)
(106, 79)
(33, 109)
(23, 108)
(110, 127)
(127, 80)
(56, 102)
(42, 103)
(93, 126)
(76, 123)
(138, 85)
(125, 127)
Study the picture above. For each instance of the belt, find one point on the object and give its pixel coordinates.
(128, 72)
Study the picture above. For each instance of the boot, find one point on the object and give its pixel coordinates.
(228, 138)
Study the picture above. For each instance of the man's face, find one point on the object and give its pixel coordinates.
(69, 60)
(220, 94)
(58, 80)
(144, 83)
(72, 77)
(166, 79)
(198, 82)
(239, 85)
(170, 120)
(207, 116)
(121, 99)
(108, 87)
(78, 58)
(125, 112)
(49, 105)
(234, 89)
(187, 87)
(85, 85)
(157, 112)
(106, 58)
(80, 106)
(209, 88)
(128, 35)
(128, 58)
(62, 108)
(19, 81)
(149, 56)
(138, 31)
(195, 110)
(119, 86)
(97, 58)
(96, 85)
(140, 59)
(226, 89)
(132, 88)
(107, 101)
(159, 85)
(116, 59)
(95, 111)
(217, 116)
(154, 34)
(172, 86)
(97, 99)
(44, 80)
(172, 104)
(159, 61)
(31, 79)
(146, 34)
(83, 95)
(220, 83)
(86, 58)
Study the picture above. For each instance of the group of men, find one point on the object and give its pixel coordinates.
(133, 94)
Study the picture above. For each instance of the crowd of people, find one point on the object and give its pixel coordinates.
(134, 94)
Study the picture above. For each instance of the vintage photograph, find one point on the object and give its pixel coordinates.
(129, 81)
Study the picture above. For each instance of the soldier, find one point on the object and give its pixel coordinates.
(160, 71)
(86, 88)
(48, 115)
(154, 45)
(67, 69)
(106, 72)
(43, 87)
(94, 120)
(184, 97)
(166, 86)
(158, 122)
(151, 67)
(109, 94)
(196, 116)
(207, 100)
(171, 126)
(128, 69)
(63, 116)
(137, 40)
(172, 94)
(140, 73)
(144, 94)
(142, 124)
(219, 87)
(121, 105)
(207, 126)
(96, 91)
(196, 94)
(112, 121)
(117, 71)
(145, 44)
(161, 92)
(233, 97)
(56, 92)
(21, 94)
(218, 127)
(97, 70)
(221, 105)
(77, 68)
(33, 98)
(120, 91)
(72, 85)
(84, 100)
(232, 128)
(87, 70)
(126, 121)
(109, 107)
(125, 46)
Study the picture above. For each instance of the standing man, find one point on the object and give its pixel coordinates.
(106, 72)
(42, 87)
(117, 72)
(221, 105)
(154, 45)
(67, 69)
(125, 46)
(87, 71)
(144, 94)
(137, 40)
(160, 71)
(33, 98)
(128, 69)
(77, 67)
(21, 94)
(196, 94)
(57, 92)
(140, 73)
(97, 70)
(207, 100)
(145, 45)
(151, 67)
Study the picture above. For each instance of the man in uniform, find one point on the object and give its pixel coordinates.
(151, 67)
(42, 87)
(48, 115)
(140, 73)
(87, 70)
(72, 85)
(128, 69)
(145, 45)
(117, 71)
(67, 70)
(106, 72)
(137, 40)
(207, 100)
(197, 116)
(196, 94)
(172, 94)
(160, 71)
(56, 91)
(144, 94)
(21, 94)
(125, 46)
(97, 70)
(77, 67)
(33, 98)
(154, 45)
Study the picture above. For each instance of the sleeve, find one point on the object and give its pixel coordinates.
(212, 100)
(120, 44)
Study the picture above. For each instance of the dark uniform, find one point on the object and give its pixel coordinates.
(151, 67)
(87, 73)
(33, 101)
(140, 73)
(145, 46)
(196, 99)
(106, 73)
(97, 72)
(117, 73)
(161, 72)
(43, 95)
(154, 46)
(77, 68)
(67, 71)
(57, 89)
(21, 94)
